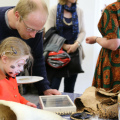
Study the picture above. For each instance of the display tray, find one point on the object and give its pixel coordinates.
(57, 103)
(28, 79)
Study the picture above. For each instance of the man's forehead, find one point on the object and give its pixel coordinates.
(36, 20)
(38, 15)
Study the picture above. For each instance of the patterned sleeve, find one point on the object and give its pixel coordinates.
(109, 22)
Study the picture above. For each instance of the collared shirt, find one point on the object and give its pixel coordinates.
(9, 89)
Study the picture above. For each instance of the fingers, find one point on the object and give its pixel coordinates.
(68, 51)
(31, 104)
(55, 92)
(52, 92)
(87, 40)
(34, 106)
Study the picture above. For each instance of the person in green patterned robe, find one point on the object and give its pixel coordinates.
(107, 71)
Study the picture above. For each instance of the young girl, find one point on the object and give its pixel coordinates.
(14, 54)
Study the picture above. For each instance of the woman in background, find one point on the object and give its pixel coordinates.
(67, 17)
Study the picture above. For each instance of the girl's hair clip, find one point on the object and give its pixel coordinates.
(3, 54)
(15, 52)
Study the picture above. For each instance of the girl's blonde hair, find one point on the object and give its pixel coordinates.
(63, 2)
(14, 48)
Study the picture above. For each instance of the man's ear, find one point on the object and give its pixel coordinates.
(17, 16)
(4, 59)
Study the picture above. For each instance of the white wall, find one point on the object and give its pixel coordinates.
(50, 3)
(14, 2)
(92, 13)
(8, 2)
(84, 80)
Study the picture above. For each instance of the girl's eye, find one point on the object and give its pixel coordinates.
(19, 65)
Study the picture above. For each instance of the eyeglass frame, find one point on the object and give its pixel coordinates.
(30, 29)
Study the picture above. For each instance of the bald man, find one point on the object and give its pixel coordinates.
(26, 21)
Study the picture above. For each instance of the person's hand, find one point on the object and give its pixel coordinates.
(72, 48)
(31, 104)
(66, 46)
(91, 40)
(52, 92)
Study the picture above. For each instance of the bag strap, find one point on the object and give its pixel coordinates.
(50, 32)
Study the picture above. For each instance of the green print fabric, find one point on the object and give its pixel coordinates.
(107, 72)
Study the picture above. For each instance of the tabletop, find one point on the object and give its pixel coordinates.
(73, 96)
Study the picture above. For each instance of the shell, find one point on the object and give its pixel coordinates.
(20, 111)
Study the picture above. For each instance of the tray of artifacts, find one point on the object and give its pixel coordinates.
(60, 104)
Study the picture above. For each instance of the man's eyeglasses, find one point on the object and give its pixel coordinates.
(30, 29)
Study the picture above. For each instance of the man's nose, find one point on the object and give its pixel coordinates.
(32, 34)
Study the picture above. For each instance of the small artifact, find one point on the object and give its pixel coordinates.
(24, 79)
(80, 116)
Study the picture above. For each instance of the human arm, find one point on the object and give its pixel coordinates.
(26, 102)
(70, 47)
(39, 68)
(82, 32)
(31, 104)
(52, 92)
(111, 44)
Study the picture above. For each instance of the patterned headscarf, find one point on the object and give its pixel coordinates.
(59, 19)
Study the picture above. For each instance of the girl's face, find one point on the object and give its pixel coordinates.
(70, 2)
(14, 67)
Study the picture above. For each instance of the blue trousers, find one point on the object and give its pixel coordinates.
(69, 83)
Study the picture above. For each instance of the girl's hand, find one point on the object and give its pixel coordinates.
(31, 104)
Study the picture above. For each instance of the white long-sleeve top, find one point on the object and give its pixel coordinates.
(51, 22)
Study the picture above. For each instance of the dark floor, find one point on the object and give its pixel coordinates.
(30, 93)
